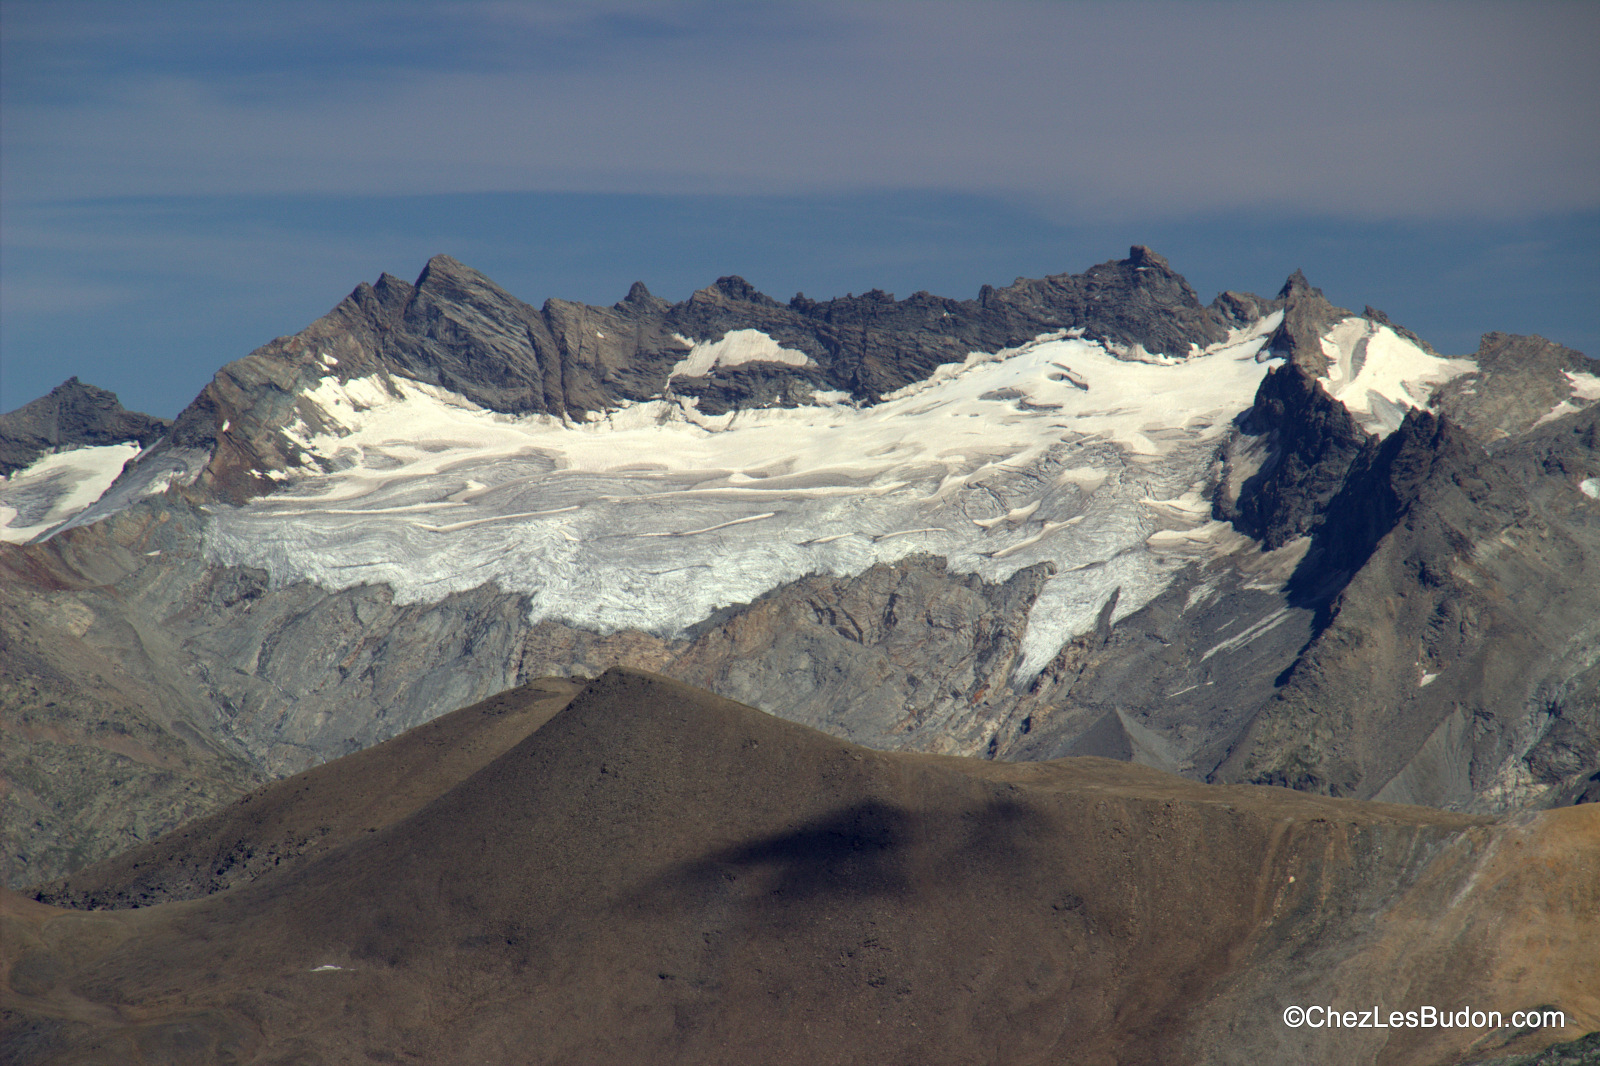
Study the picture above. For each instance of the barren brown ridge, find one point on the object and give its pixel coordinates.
(656, 874)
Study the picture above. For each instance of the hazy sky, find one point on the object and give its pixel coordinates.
(182, 182)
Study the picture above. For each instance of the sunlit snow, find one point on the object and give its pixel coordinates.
(736, 347)
(56, 487)
(655, 515)
(1560, 410)
(1584, 386)
(1378, 374)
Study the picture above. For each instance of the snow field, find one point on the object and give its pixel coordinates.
(1378, 374)
(654, 516)
(56, 487)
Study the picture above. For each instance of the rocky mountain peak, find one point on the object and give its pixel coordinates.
(736, 289)
(641, 301)
(1307, 315)
(449, 279)
(1141, 256)
(1242, 308)
(1298, 287)
(443, 266)
(457, 329)
(73, 414)
(392, 291)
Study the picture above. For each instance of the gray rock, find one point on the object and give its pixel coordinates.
(71, 415)
(1519, 381)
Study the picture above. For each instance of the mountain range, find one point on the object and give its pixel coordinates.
(1262, 542)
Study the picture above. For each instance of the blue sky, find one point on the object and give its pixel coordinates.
(179, 183)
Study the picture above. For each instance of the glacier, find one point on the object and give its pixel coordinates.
(654, 516)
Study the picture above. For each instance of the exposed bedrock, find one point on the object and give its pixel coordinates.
(1521, 384)
(1412, 616)
(1434, 640)
(1455, 654)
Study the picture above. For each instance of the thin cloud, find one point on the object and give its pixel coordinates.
(1084, 109)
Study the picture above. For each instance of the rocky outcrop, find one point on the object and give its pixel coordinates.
(1406, 656)
(1292, 453)
(102, 746)
(71, 415)
(1307, 316)
(906, 655)
(1520, 383)
(1459, 662)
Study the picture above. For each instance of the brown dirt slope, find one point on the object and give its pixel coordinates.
(318, 810)
(661, 875)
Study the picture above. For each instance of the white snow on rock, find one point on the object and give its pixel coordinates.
(1585, 389)
(1584, 386)
(1560, 410)
(736, 347)
(55, 488)
(1590, 487)
(654, 516)
(1378, 374)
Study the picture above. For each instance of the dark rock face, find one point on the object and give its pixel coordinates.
(71, 415)
(1242, 308)
(1459, 660)
(1295, 447)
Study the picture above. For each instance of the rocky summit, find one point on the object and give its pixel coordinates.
(1263, 542)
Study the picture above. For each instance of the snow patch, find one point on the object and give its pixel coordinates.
(55, 488)
(735, 348)
(1265, 625)
(1378, 375)
(1560, 410)
(1584, 386)
(1590, 487)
